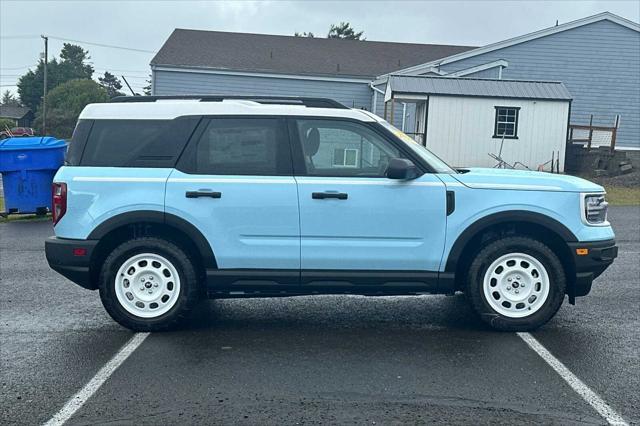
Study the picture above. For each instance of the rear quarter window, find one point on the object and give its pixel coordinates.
(137, 143)
(78, 142)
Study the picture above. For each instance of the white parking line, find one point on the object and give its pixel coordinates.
(592, 398)
(77, 401)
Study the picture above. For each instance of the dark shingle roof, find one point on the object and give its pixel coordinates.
(15, 112)
(294, 55)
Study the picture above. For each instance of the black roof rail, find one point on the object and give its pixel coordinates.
(276, 100)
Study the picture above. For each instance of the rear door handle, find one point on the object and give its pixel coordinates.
(203, 193)
(324, 195)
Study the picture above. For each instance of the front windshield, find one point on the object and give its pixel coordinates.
(436, 163)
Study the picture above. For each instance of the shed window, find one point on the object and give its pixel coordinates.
(506, 124)
(345, 157)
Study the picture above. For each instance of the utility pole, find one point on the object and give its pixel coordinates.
(44, 94)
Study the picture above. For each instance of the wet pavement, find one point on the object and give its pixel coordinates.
(324, 359)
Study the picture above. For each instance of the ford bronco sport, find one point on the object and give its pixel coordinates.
(163, 202)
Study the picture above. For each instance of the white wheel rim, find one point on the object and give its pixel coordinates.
(147, 285)
(516, 285)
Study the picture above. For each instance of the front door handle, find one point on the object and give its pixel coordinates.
(203, 193)
(324, 195)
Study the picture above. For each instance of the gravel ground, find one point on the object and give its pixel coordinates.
(630, 180)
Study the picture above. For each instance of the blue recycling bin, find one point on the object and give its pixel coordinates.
(27, 165)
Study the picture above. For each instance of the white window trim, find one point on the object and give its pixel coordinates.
(497, 122)
(344, 158)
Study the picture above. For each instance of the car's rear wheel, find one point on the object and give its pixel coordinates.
(148, 284)
(516, 284)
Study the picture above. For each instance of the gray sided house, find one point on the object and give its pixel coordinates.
(212, 62)
(597, 58)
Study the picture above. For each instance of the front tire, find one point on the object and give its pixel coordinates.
(148, 284)
(516, 284)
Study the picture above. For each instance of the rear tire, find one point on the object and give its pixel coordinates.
(516, 284)
(148, 284)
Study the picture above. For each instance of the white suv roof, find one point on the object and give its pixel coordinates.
(165, 109)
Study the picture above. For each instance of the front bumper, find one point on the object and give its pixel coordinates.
(600, 254)
(71, 258)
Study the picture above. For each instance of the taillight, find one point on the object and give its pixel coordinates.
(58, 201)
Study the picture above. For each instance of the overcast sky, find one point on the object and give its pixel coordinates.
(145, 25)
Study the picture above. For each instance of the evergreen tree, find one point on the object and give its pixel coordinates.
(71, 66)
(9, 99)
(344, 30)
(111, 84)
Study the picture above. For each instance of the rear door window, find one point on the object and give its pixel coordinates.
(243, 146)
(137, 143)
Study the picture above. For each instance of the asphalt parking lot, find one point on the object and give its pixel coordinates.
(333, 359)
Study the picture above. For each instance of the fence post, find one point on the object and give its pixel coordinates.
(614, 133)
(590, 132)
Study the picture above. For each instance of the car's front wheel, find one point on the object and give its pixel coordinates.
(516, 284)
(148, 284)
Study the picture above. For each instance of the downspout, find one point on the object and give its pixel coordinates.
(404, 114)
(375, 102)
(375, 96)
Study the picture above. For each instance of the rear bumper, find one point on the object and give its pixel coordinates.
(589, 267)
(66, 258)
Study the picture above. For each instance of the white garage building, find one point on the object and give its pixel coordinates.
(479, 122)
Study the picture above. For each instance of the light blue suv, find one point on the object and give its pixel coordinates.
(164, 202)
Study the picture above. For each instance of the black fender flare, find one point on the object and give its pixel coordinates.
(504, 217)
(162, 218)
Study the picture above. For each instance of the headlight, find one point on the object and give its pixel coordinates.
(595, 209)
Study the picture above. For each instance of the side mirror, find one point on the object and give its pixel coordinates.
(401, 168)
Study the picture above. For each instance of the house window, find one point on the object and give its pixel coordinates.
(344, 157)
(506, 125)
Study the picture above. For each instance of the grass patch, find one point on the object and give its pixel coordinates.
(21, 217)
(25, 218)
(622, 196)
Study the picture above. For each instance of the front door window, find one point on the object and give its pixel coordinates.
(342, 148)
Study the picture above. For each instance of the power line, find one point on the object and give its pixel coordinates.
(136, 77)
(119, 70)
(111, 46)
(18, 37)
(99, 69)
(17, 68)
